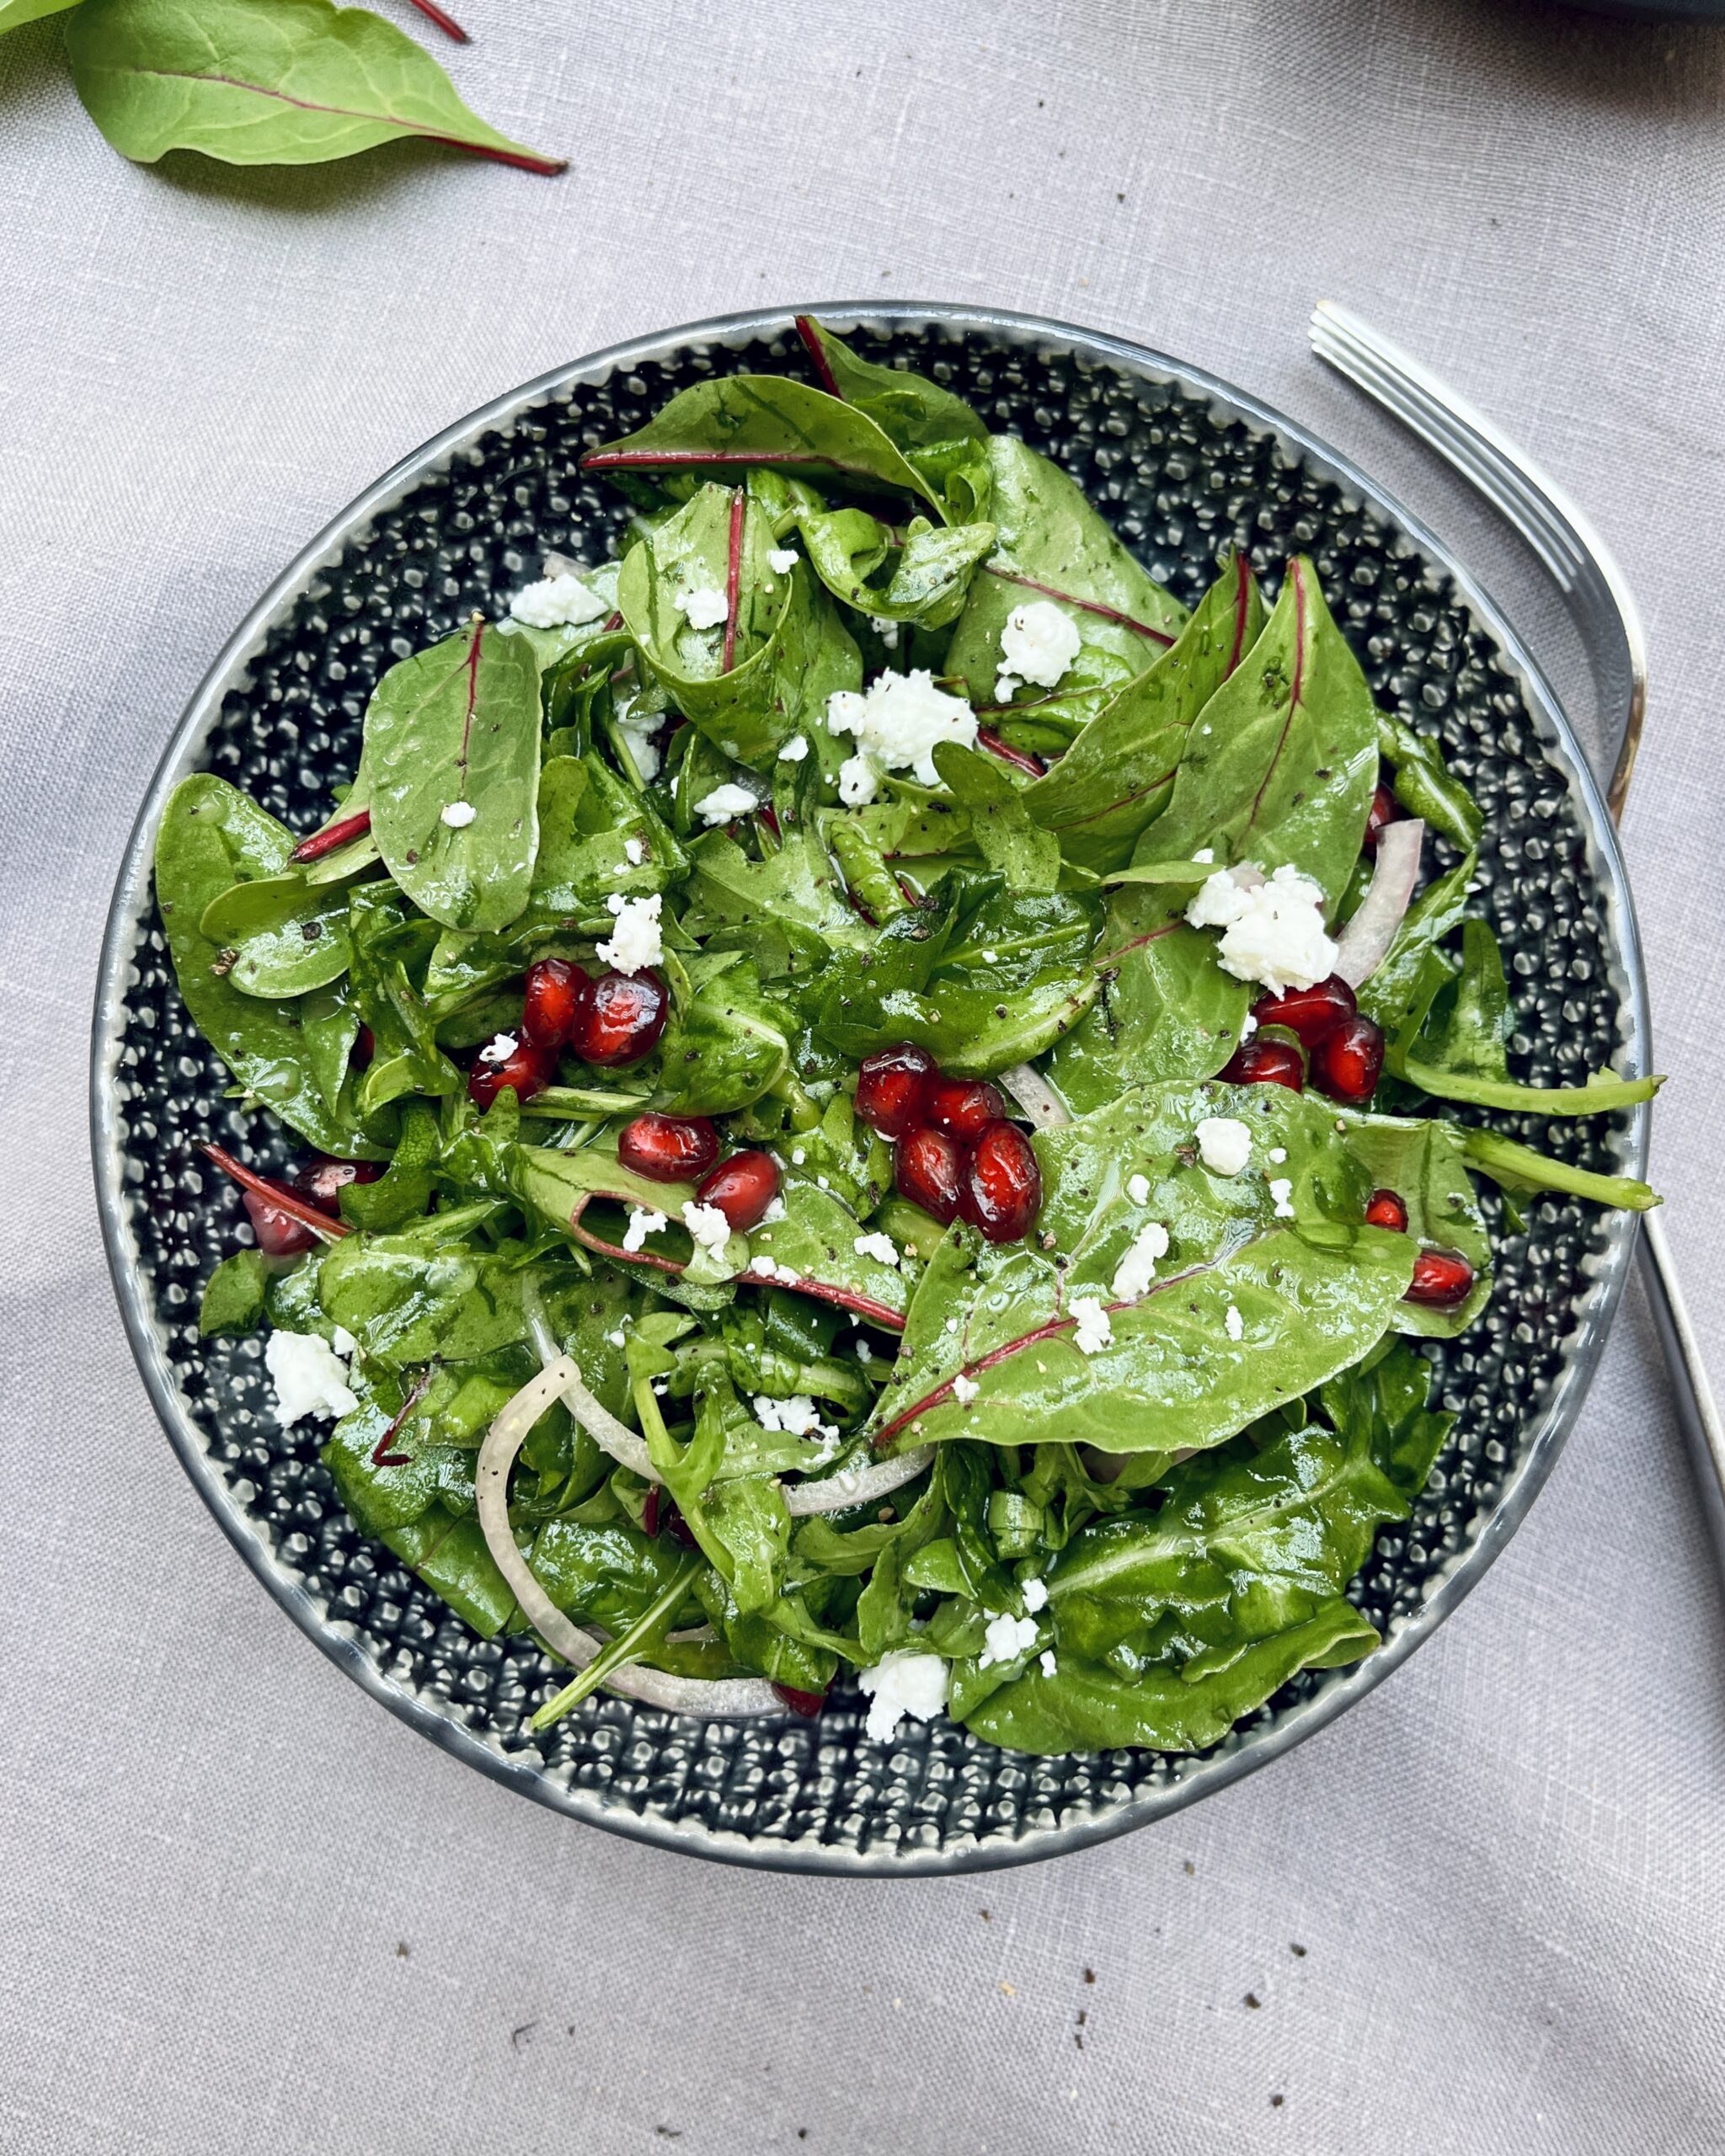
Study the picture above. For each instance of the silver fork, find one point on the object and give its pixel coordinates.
(1605, 615)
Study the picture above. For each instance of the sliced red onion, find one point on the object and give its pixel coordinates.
(609, 1435)
(1362, 944)
(835, 1493)
(1035, 1095)
(721, 1698)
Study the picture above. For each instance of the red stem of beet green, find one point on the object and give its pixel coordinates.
(333, 837)
(278, 1194)
(1007, 754)
(523, 160)
(733, 580)
(817, 354)
(382, 1455)
(1084, 605)
(446, 24)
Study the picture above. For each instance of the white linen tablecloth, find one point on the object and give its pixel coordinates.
(241, 1908)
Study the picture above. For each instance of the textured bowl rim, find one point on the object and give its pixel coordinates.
(1237, 1756)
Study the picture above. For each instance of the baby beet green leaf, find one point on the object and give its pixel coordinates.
(452, 746)
(15, 14)
(937, 433)
(267, 83)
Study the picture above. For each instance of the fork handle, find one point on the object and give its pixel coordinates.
(1697, 1412)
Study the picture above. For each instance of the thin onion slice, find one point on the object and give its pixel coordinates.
(837, 1493)
(728, 1699)
(1035, 1095)
(1363, 944)
(611, 1436)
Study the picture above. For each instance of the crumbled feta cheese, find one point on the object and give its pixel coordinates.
(887, 631)
(796, 1417)
(725, 802)
(1277, 1154)
(1005, 1639)
(1005, 687)
(1248, 1026)
(1224, 1144)
(877, 1245)
(1234, 1323)
(638, 738)
(1204, 853)
(865, 1354)
(798, 1155)
(634, 851)
(458, 814)
(704, 609)
(821, 1183)
(990, 958)
(900, 1683)
(1281, 1189)
(309, 1377)
(556, 602)
(1039, 642)
(1094, 1331)
(1046, 1660)
(858, 781)
(1137, 1268)
(500, 1050)
(1273, 933)
(706, 1225)
(794, 749)
(1035, 1594)
(643, 1223)
(781, 560)
(763, 1267)
(774, 1213)
(615, 1338)
(1138, 1189)
(342, 1340)
(900, 719)
(965, 1389)
(635, 942)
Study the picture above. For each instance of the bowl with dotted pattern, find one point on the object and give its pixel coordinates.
(1183, 467)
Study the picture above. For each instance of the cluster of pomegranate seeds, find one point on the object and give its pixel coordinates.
(954, 1155)
(669, 1147)
(742, 1187)
(612, 1021)
(1343, 1052)
(319, 1184)
(1442, 1279)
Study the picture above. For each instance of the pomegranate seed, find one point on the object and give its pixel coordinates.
(622, 1019)
(961, 1106)
(1346, 1062)
(552, 999)
(742, 1187)
(928, 1168)
(1385, 1209)
(806, 1704)
(279, 1234)
(669, 1147)
(893, 1086)
(363, 1048)
(1384, 810)
(323, 1181)
(659, 1515)
(1003, 1187)
(1308, 1013)
(527, 1068)
(1266, 1063)
(1441, 1280)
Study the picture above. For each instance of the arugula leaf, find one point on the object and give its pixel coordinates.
(456, 729)
(265, 82)
(792, 890)
(727, 1045)
(1520, 1168)
(937, 433)
(212, 836)
(1424, 784)
(386, 945)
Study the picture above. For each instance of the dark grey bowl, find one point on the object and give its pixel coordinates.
(1183, 465)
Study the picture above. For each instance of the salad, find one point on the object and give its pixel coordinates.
(878, 1101)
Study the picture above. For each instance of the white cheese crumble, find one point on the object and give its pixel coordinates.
(342, 1340)
(781, 560)
(1035, 1594)
(500, 1050)
(774, 1213)
(638, 738)
(1205, 854)
(1138, 1189)
(704, 609)
(794, 749)
(1281, 1189)
(887, 631)
(643, 1223)
(1234, 1324)
(769, 1268)
(1005, 687)
(900, 719)
(458, 814)
(858, 781)
(1046, 1660)
(309, 1377)
(1248, 1026)
(1277, 1154)
(1224, 1144)
(634, 851)
(1137, 1268)
(616, 1339)
(965, 1389)
(797, 1417)
(798, 1156)
(1039, 642)
(1005, 1639)
(877, 1245)
(1273, 933)
(557, 602)
(706, 1225)
(900, 1683)
(1094, 1331)
(725, 802)
(635, 941)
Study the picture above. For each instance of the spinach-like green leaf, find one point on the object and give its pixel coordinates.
(1116, 777)
(387, 947)
(1425, 1164)
(1388, 996)
(453, 733)
(1312, 1289)
(306, 950)
(1014, 845)
(266, 82)
(211, 837)
(1052, 544)
(920, 580)
(727, 1045)
(938, 433)
(1424, 784)
(15, 14)
(233, 1295)
(817, 1241)
(407, 1298)
(791, 891)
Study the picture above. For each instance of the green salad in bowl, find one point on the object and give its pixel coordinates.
(882, 1101)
